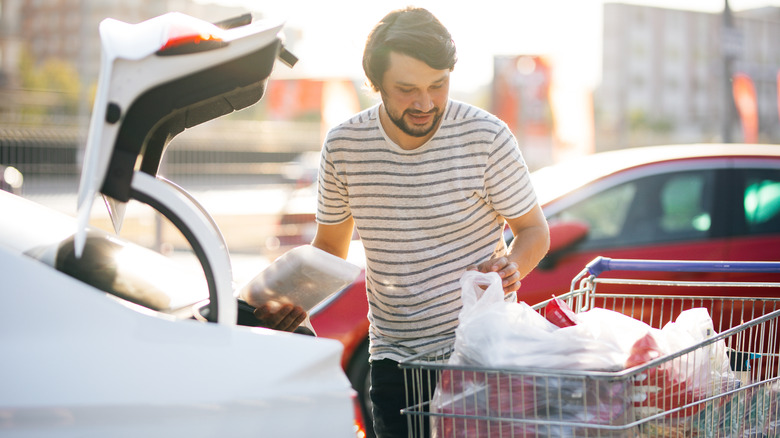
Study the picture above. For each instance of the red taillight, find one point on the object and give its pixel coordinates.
(360, 425)
(189, 39)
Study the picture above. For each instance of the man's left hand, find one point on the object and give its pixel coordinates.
(507, 270)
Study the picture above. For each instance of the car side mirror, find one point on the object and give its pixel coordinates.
(564, 235)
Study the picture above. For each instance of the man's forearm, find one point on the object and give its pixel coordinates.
(528, 248)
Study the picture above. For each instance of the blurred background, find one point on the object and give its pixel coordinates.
(570, 78)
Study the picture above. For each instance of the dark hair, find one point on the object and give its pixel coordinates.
(413, 32)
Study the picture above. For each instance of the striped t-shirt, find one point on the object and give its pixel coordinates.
(423, 215)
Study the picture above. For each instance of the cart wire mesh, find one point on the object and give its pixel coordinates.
(648, 400)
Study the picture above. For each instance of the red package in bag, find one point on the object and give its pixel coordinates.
(559, 313)
(644, 350)
(478, 394)
(661, 391)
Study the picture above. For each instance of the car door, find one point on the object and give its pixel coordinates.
(657, 214)
(754, 231)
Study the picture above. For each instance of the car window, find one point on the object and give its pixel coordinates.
(655, 209)
(605, 213)
(682, 209)
(761, 200)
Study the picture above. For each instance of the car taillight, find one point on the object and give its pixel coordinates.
(190, 38)
(360, 425)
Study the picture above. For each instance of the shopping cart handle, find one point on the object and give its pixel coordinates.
(604, 264)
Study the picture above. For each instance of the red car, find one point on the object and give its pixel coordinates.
(684, 202)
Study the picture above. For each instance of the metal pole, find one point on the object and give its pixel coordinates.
(729, 54)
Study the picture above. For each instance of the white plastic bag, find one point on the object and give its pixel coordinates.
(486, 333)
(496, 333)
(705, 370)
(685, 379)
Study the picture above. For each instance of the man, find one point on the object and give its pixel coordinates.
(429, 184)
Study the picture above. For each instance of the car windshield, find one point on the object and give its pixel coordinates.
(131, 272)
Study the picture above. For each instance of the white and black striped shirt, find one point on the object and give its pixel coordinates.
(424, 216)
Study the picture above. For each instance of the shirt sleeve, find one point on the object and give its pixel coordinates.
(332, 193)
(507, 180)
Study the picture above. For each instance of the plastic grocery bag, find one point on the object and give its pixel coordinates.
(496, 333)
(688, 378)
(707, 368)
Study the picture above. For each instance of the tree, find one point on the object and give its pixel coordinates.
(54, 87)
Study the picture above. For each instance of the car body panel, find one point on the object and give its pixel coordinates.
(44, 226)
(345, 319)
(81, 361)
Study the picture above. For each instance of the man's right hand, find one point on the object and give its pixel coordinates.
(280, 316)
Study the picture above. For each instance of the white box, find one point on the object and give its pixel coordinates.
(304, 276)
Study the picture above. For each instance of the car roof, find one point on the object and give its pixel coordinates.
(555, 180)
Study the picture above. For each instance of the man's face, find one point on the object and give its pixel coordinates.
(414, 97)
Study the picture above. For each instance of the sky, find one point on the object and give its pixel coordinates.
(567, 31)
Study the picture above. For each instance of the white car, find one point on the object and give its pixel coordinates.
(101, 337)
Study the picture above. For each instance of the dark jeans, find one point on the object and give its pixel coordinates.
(388, 395)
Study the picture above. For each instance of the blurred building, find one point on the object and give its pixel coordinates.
(664, 76)
(552, 119)
(9, 39)
(68, 29)
(521, 98)
(46, 145)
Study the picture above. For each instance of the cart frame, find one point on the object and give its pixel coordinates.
(642, 401)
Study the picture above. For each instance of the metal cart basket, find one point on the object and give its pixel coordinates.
(652, 399)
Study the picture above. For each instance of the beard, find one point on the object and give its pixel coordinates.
(414, 130)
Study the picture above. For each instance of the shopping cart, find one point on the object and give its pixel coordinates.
(653, 399)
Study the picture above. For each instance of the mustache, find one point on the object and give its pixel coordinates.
(434, 111)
